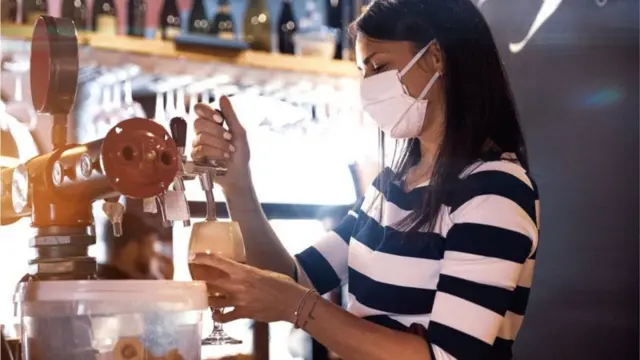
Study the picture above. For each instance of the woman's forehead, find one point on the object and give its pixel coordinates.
(367, 48)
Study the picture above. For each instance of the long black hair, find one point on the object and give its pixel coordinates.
(479, 104)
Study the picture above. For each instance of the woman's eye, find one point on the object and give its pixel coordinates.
(379, 68)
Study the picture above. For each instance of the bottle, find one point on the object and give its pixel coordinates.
(170, 20)
(10, 12)
(33, 9)
(257, 26)
(312, 19)
(287, 27)
(105, 17)
(136, 17)
(198, 19)
(335, 14)
(75, 10)
(222, 25)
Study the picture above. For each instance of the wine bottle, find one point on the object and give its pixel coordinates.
(105, 17)
(198, 19)
(75, 10)
(257, 26)
(287, 27)
(222, 25)
(312, 20)
(10, 12)
(33, 9)
(136, 17)
(335, 15)
(170, 20)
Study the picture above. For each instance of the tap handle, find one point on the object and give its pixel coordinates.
(178, 127)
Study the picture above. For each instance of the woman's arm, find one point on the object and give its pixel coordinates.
(263, 248)
(267, 297)
(353, 338)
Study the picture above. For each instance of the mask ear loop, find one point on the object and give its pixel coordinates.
(423, 93)
(415, 59)
(408, 67)
(426, 89)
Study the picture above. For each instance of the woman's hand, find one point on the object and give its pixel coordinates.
(253, 293)
(214, 142)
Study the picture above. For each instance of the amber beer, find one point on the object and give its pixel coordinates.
(222, 238)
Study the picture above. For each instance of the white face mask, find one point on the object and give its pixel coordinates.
(386, 100)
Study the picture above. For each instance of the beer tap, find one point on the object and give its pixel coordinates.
(206, 181)
(114, 210)
(136, 159)
(206, 171)
(173, 204)
(178, 128)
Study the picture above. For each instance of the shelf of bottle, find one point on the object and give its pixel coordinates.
(159, 48)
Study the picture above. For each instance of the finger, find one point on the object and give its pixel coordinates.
(209, 113)
(206, 273)
(229, 266)
(210, 153)
(214, 142)
(235, 314)
(228, 286)
(204, 125)
(213, 291)
(219, 302)
(230, 115)
(224, 286)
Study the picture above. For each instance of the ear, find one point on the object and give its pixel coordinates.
(435, 57)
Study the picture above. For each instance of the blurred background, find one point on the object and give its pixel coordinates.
(288, 66)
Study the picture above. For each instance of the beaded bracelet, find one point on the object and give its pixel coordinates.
(296, 314)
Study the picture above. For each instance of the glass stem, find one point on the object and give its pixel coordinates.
(217, 327)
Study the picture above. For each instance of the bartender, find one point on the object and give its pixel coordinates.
(134, 255)
(439, 254)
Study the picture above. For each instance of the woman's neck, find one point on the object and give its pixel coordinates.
(421, 172)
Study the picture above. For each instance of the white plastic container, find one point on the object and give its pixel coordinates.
(111, 319)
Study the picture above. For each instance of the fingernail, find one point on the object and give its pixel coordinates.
(203, 110)
(227, 135)
(226, 155)
(192, 257)
(232, 148)
(217, 118)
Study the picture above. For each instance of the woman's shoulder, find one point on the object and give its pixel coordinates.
(500, 171)
(492, 181)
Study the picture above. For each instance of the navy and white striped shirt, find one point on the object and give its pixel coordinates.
(467, 282)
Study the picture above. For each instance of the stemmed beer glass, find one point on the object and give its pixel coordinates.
(222, 238)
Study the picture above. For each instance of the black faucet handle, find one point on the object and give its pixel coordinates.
(178, 128)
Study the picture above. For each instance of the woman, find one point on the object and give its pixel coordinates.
(439, 254)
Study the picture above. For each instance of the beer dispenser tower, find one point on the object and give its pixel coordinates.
(137, 158)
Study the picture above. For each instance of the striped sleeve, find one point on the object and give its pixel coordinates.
(493, 233)
(325, 263)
